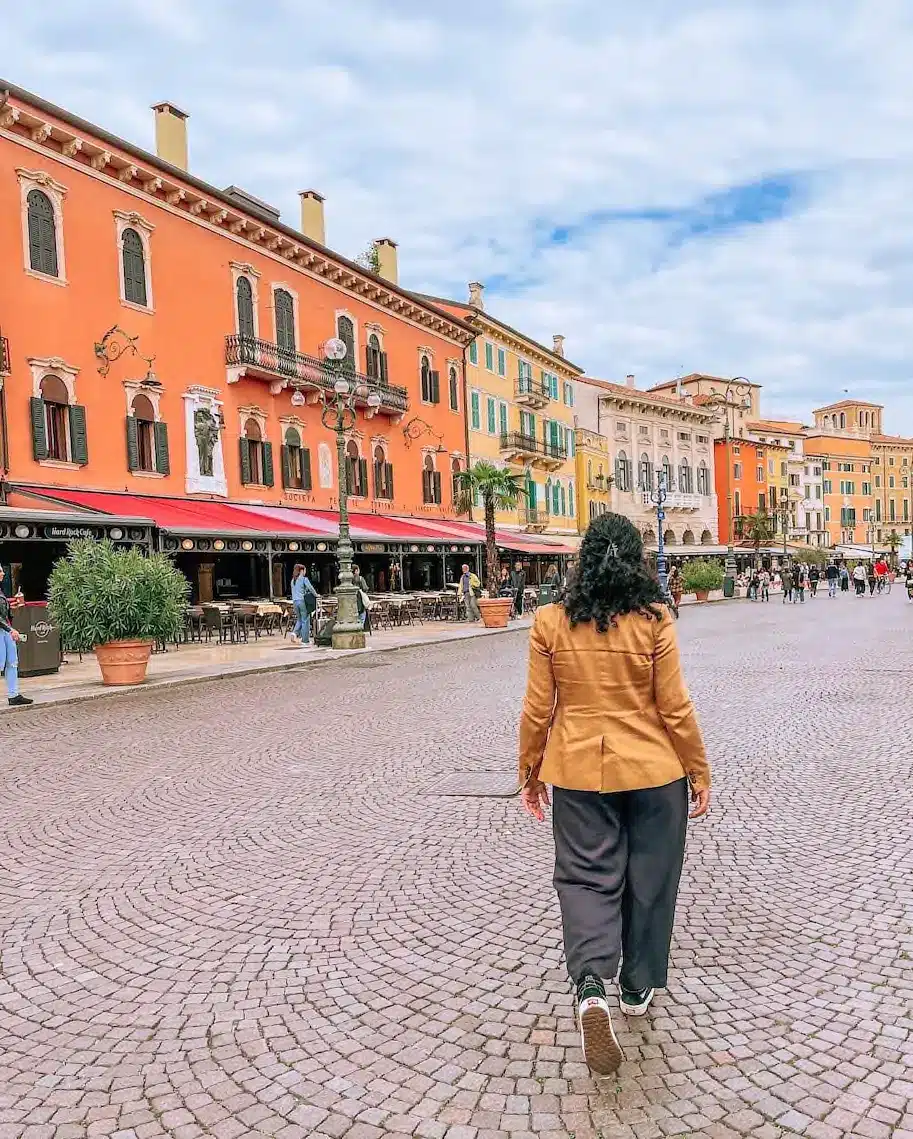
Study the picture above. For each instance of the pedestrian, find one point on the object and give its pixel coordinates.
(908, 579)
(814, 576)
(553, 578)
(517, 586)
(859, 579)
(676, 588)
(765, 585)
(304, 599)
(871, 577)
(844, 578)
(9, 653)
(832, 573)
(604, 666)
(504, 588)
(754, 586)
(469, 583)
(799, 580)
(786, 577)
(362, 602)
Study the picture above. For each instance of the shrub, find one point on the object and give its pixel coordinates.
(99, 593)
(698, 574)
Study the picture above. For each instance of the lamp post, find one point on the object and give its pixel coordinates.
(338, 414)
(658, 497)
(737, 394)
(784, 516)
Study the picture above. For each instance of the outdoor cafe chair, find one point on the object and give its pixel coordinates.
(219, 621)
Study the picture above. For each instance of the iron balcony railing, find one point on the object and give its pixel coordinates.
(532, 390)
(530, 516)
(521, 443)
(309, 371)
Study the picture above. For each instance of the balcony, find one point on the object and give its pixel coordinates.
(530, 394)
(534, 520)
(677, 500)
(282, 368)
(600, 483)
(516, 447)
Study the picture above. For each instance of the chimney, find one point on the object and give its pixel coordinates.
(630, 382)
(387, 260)
(476, 289)
(312, 224)
(171, 134)
(558, 344)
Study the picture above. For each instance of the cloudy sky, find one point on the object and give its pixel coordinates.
(722, 186)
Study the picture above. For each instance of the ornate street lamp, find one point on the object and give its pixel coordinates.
(338, 414)
(116, 343)
(658, 497)
(736, 396)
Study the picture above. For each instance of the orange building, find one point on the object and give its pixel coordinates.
(209, 391)
(842, 439)
(741, 483)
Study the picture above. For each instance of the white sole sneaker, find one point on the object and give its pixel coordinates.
(637, 1010)
(601, 1049)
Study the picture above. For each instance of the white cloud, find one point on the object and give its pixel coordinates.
(462, 133)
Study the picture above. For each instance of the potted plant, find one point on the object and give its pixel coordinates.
(117, 602)
(700, 576)
(498, 489)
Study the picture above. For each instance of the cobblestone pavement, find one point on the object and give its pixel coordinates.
(234, 909)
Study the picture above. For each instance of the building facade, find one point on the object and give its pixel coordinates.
(521, 398)
(164, 340)
(841, 439)
(805, 479)
(647, 433)
(594, 477)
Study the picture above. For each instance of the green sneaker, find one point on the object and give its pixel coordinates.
(635, 1002)
(601, 1049)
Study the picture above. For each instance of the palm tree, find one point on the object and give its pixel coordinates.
(498, 489)
(757, 528)
(893, 542)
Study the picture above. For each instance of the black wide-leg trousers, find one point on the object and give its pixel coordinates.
(618, 862)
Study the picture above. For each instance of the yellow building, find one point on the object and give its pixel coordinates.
(594, 476)
(520, 399)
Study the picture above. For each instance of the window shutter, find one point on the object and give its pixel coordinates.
(39, 429)
(162, 459)
(79, 441)
(132, 444)
(285, 465)
(436, 477)
(244, 447)
(388, 479)
(378, 478)
(269, 477)
(363, 477)
(476, 419)
(491, 417)
(435, 387)
(350, 475)
(134, 262)
(503, 418)
(383, 367)
(426, 486)
(42, 233)
(245, 308)
(305, 456)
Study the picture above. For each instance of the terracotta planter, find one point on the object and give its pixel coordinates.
(123, 662)
(702, 594)
(495, 611)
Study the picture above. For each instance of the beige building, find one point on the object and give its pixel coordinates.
(648, 432)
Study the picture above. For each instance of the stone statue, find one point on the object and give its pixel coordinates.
(206, 431)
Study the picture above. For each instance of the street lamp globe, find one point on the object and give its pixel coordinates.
(374, 400)
(298, 398)
(341, 387)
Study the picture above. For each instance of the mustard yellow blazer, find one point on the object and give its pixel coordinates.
(608, 711)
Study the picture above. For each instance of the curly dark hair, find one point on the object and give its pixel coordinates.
(610, 578)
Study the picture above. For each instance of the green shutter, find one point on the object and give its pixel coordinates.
(388, 479)
(363, 476)
(269, 478)
(492, 423)
(132, 443)
(162, 459)
(502, 362)
(570, 501)
(435, 387)
(305, 457)
(39, 429)
(502, 408)
(489, 357)
(79, 441)
(474, 352)
(476, 418)
(285, 465)
(244, 448)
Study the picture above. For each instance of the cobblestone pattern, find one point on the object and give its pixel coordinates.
(233, 910)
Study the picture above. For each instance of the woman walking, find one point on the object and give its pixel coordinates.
(608, 722)
(9, 654)
(859, 578)
(676, 587)
(304, 598)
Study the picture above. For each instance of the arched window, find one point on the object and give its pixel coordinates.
(531, 494)
(375, 359)
(144, 426)
(454, 390)
(134, 267)
(383, 475)
(285, 326)
(56, 400)
(296, 461)
(42, 226)
(557, 498)
(356, 471)
(669, 538)
(645, 473)
(570, 500)
(842, 419)
(245, 300)
(253, 438)
(548, 496)
(622, 472)
(667, 471)
(456, 469)
(685, 484)
(345, 330)
(703, 478)
(431, 482)
(688, 538)
(706, 538)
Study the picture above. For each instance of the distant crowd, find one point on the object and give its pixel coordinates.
(797, 580)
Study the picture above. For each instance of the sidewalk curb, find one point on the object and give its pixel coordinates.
(252, 670)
